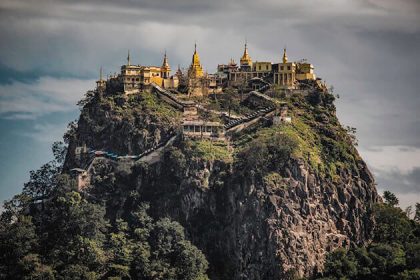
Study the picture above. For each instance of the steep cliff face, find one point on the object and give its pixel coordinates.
(257, 229)
(123, 125)
(268, 205)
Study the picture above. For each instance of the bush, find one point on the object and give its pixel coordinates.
(265, 154)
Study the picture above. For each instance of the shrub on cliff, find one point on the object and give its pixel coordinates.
(266, 153)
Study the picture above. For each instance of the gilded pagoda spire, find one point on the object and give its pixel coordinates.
(165, 69)
(246, 58)
(284, 56)
(196, 57)
(196, 70)
(165, 63)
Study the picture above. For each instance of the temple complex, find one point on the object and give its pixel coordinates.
(283, 75)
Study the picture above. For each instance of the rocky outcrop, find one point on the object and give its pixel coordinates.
(125, 125)
(251, 224)
(250, 229)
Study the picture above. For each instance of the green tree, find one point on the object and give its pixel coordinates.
(42, 181)
(392, 225)
(121, 250)
(162, 252)
(32, 268)
(59, 150)
(266, 154)
(394, 253)
(390, 198)
(417, 213)
(74, 240)
(408, 211)
(340, 264)
(17, 240)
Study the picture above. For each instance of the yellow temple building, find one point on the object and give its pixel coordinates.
(165, 69)
(248, 69)
(135, 77)
(288, 73)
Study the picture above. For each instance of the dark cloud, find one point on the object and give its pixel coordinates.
(396, 181)
(368, 49)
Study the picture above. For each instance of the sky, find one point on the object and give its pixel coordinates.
(368, 50)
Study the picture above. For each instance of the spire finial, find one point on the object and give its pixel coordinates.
(246, 46)
(100, 74)
(128, 58)
(195, 46)
(284, 55)
(165, 63)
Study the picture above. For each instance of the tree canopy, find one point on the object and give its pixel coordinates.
(51, 231)
(393, 254)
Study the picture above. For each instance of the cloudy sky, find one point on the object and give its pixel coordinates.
(50, 53)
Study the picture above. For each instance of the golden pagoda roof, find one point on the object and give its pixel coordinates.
(284, 56)
(246, 55)
(196, 57)
(246, 58)
(196, 70)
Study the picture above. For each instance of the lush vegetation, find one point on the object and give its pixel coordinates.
(267, 152)
(231, 102)
(208, 150)
(52, 232)
(317, 136)
(393, 254)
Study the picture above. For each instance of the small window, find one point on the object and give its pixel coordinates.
(281, 68)
(137, 79)
(288, 67)
(208, 128)
(259, 67)
(185, 127)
